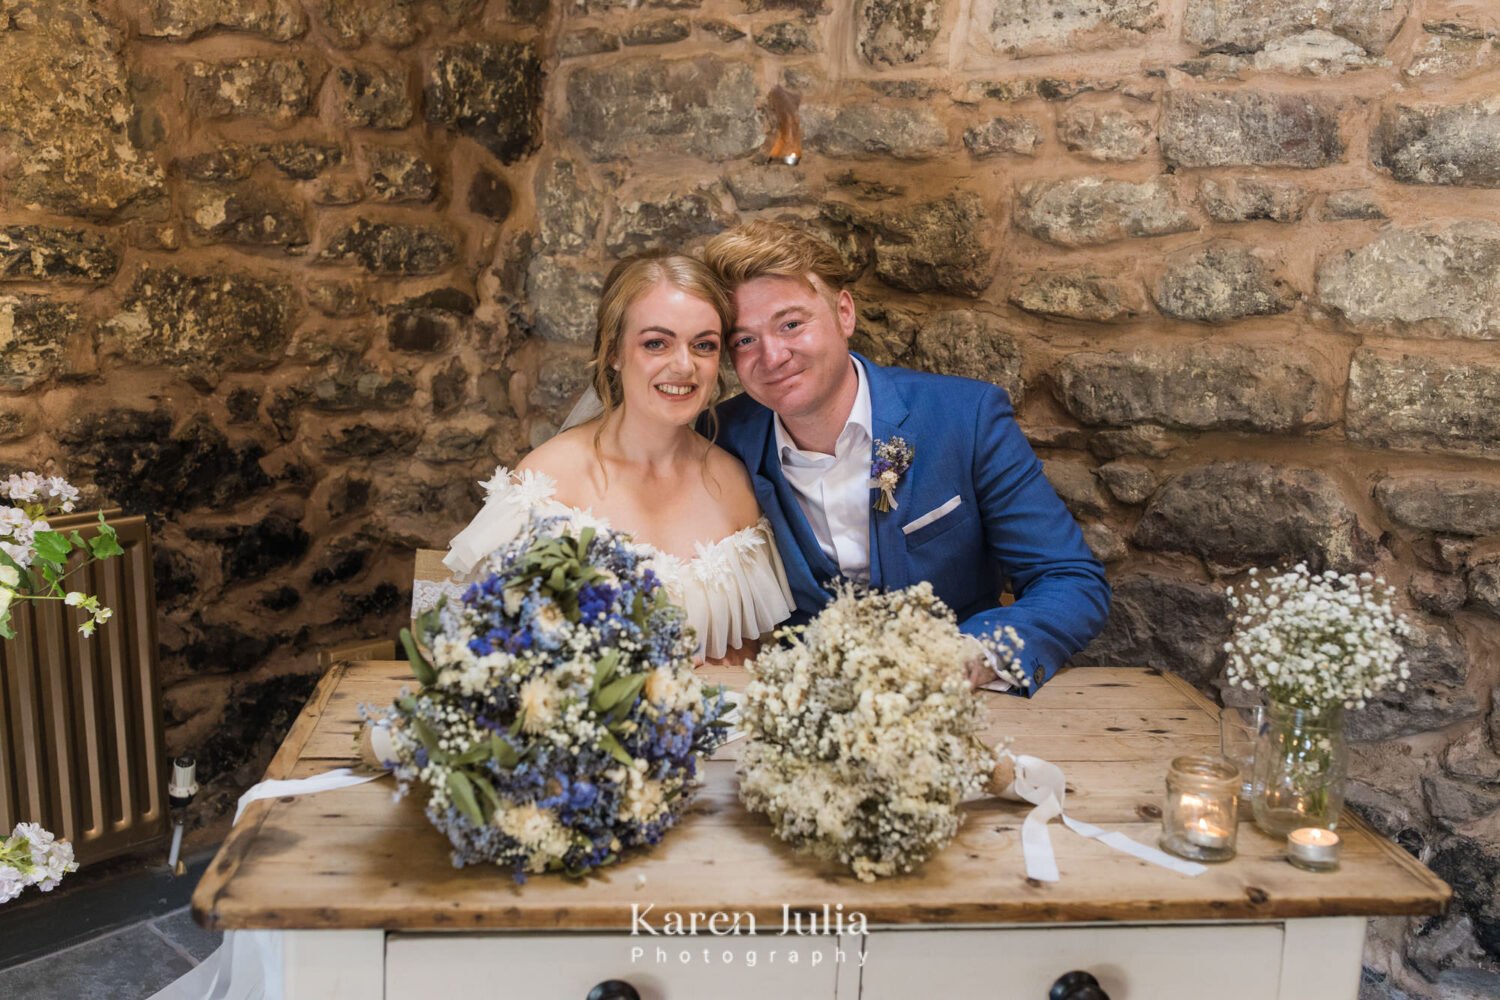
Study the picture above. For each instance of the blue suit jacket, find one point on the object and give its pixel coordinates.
(1008, 524)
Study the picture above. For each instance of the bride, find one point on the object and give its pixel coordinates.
(635, 463)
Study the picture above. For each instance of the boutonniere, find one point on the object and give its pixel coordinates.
(892, 459)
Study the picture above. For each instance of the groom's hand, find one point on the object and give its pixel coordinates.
(979, 671)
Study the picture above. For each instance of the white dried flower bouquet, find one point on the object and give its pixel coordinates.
(865, 731)
(1317, 640)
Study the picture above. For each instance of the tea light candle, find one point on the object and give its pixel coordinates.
(1205, 834)
(1313, 848)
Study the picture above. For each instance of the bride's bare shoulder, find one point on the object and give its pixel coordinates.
(567, 457)
(736, 494)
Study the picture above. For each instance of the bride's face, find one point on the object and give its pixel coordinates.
(669, 354)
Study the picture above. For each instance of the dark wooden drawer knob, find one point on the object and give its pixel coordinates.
(615, 989)
(1077, 986)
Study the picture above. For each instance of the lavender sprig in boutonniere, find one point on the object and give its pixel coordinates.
(892, 458)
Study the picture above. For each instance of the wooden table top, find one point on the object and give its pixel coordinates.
(353, 858)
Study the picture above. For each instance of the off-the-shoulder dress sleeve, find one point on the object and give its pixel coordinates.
(510, 499)
(734, 591)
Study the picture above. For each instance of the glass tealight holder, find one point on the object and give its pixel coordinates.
(1200, 821)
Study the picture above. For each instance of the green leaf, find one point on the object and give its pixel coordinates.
(106, 543)
(52, 546)
(473, 755)
(605, 669)
(503, 754)
(429, 620)
(6, 632)
(619, 692)
(419, 665)
(461, 791)
(428, 737)
(585, 540)
(486, 792)
(607, 741)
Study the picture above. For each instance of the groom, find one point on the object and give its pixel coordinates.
(972, 512)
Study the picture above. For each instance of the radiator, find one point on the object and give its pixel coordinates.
(81, 744)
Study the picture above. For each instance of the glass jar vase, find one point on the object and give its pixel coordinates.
(1301, 762)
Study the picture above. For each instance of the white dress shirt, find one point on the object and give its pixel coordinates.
(834, 490)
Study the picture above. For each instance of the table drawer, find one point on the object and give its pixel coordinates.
(522, 966)
(1170, 962)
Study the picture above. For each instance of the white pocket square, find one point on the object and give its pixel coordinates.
(932, 515)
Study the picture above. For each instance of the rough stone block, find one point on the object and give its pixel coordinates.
(203, 324)
(1441, 281)
(869, 130)
(34, 336)
(1109, 135)
(246, 213)
(1440, 144)
(1249, 25)
(788, 38)
(392, 248)
(1204, 387)
(587, 42)
(1250, 128)
(1400, 401)
(1484, 590)
(49, 253)
(1449, 503)
(563, 298)
(896, 32)
(1435, 695)
(657, 31)
(1080, 294)
(1019, 136)
(1453, 50)
(1076, 485)
(490, 92)
(1249, 199)
(1220, 282)
(278, 88)
(368, 96)
(395, 174)
(946, 245)
(972, 345)
(704, 106)
(1085, 211)
(1354, 204)
(767, 185)
(81, 155)
(490, 196)
(1133, 635)
(664, 219)
(1128, 482)
(348, 24)
(180, 20)
(1240, 514)
(1045, 27)
(568, 207)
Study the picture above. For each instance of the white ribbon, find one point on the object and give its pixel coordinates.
(326, 782)
(1042, 784)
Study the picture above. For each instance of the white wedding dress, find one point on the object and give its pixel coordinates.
(734, 589)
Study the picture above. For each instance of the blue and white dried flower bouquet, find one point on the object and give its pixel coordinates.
(559, 721)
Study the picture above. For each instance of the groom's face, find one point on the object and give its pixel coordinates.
(790, 344)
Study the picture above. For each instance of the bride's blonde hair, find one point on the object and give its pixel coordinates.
(630, 279)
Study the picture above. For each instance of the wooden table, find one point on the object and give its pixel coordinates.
(371, 906)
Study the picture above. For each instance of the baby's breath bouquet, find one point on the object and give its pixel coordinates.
(1315, 644)
(1315, 640)
(559, 721)
(865, 731)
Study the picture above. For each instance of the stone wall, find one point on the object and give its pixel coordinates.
(292, 274)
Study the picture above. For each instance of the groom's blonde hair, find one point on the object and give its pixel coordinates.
(774, 249)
